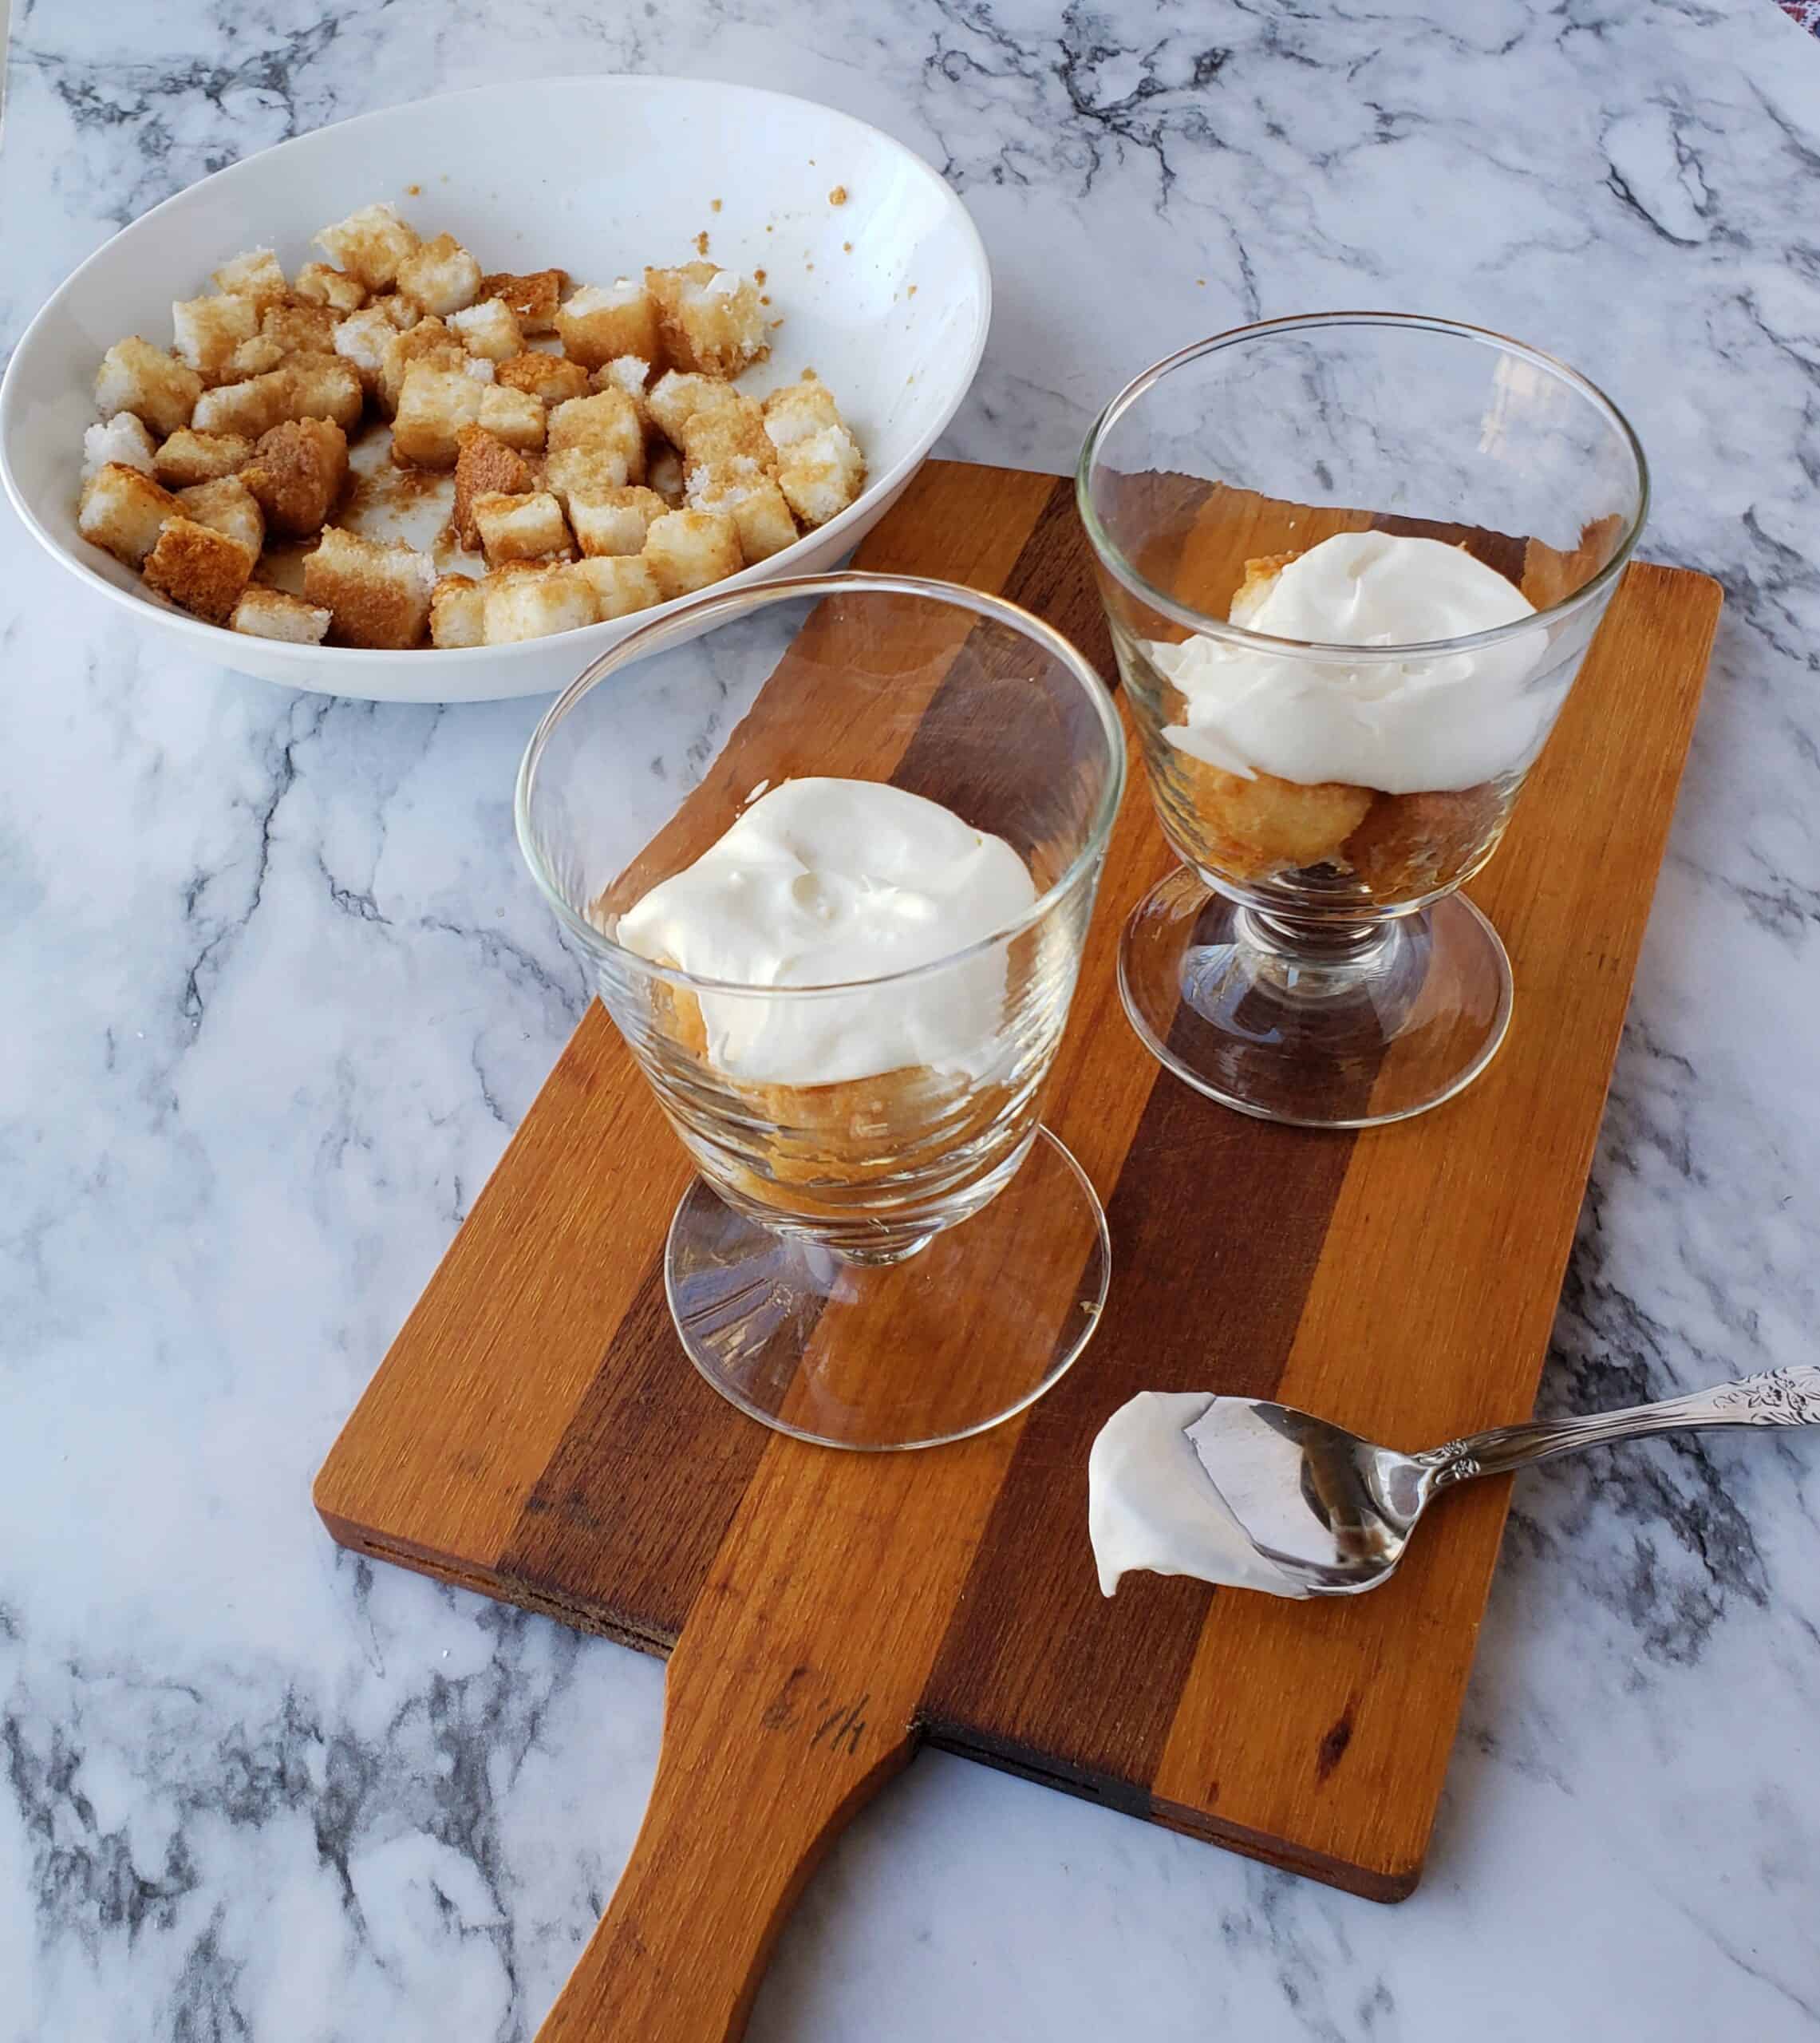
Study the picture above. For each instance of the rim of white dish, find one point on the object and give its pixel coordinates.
(652, 639)
(1118, 564)
(363, 656)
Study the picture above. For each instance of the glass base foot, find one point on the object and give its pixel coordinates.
(1350, 1035)
(968, 1330)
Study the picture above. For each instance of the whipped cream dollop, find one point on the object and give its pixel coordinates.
(823, 882)
(1151, 1505)
(1422, 725)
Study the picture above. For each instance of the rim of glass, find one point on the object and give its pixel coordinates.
(710, 608)
(1117, 564)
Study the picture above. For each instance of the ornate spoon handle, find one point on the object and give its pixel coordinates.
(1781, 1397)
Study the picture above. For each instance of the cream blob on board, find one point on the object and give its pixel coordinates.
(1151, 1505)
(825, 882)
(1426, 723)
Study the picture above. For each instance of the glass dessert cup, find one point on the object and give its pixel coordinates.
(1313, 961)
(884, 1248)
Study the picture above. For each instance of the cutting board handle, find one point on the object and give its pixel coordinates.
(767, 1753)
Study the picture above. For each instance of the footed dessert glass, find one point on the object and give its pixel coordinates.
(1311, 962)
(884, 1248)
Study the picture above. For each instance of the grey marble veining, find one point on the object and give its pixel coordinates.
(276, 991)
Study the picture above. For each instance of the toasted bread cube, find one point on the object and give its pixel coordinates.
(225, 505)
(600, 322)
(319, 284)
(362, 339)
(757, 507)
(795, 411)
(124, 441)
(687, 549)
(322, 386)
(664, 474)
(123, 510)
(457, 612)
(710, 318)
(256, 276)
(370, 245)
(675, 398)
(137, 378)
(526, 528)
(552, 379)
(612, 522)
(262, 613)
(209, 329)
(622, 582)
(533, 297)
(190, 457)
(429, 342)
(574, 471)
(821, 475)
(402, 312)
(298, 473)
(484, 465)
(729, 438)
(301, 328)
(246, 409)
(200, 567)
(490, 329)
(439, 276)
(379, 591)
(606, 425)
(433, 406)
(258, 357)
(513, 416)
(518, 604)
(631, 373)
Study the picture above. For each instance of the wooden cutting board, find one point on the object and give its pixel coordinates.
(537, 1433)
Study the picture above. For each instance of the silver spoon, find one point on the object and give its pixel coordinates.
(1334, 1513)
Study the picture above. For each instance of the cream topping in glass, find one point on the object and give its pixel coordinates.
(1429, 723)
(1151, 1505)
(823, 882)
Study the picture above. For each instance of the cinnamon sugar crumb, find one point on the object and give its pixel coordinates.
(758, 276)
(414, 190)
(847, 247)
(838, 195)
(911, 292)
(714, 205)
(701, 243)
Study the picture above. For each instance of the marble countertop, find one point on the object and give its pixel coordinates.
(276, 991)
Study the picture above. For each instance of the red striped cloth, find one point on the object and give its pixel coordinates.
(1806, 12)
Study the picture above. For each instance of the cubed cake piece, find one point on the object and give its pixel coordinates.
(457, 612)
(439, 276)
(534, 296)
(122, 439)
(199, 566)
(262, 613)
(257, 276)
(730, 438)
(821, 475)
(613, 521)
(378, 591)
(488, 328)
(209, 330)
(433, 406)
(622, 582)
(429, 342)
(631, 373)
(301, 328)
(226, 505)
(484, 465)
(687, 549)
(370, 245)
(675, 398)
(515, 416)
(795, 411)
(552, 379)
(663, 471)
(123, 510)
(190, 457)
(319, 283)
(758, 507)
(402, 312)
(362, 338)
(137, 378)
(322, 386)
(710, 319)
(298, 473)
(600, 322)
(606, 425)
(258, 357)
(533, 603)
(523, 527)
